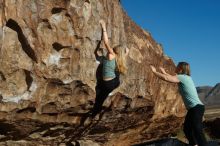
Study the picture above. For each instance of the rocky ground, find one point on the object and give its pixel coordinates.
(96, 132)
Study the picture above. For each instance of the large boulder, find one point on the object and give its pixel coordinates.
(48, 76)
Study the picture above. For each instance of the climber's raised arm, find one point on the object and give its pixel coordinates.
(165, 76)
(105, 37)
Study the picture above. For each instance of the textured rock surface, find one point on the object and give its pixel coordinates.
(48, 76)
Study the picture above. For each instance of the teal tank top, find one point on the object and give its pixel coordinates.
(108, 70)
(188, 91)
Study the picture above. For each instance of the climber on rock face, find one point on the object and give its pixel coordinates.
(195, 108)
(113, 65)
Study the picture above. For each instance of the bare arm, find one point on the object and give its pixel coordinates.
(96, 50)
(105, 37)
(166, 77)
(97, 56)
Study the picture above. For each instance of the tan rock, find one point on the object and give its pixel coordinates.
(48, 75)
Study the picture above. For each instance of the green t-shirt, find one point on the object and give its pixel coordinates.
(188, 91)
(108, 70)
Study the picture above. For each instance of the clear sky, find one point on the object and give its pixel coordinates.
(189, 30)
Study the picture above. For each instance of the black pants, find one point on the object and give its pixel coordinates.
(193, 127)
(104, 88)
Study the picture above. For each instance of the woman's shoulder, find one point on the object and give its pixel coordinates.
(183, 77)
(110, 58)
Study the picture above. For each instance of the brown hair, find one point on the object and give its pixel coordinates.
(120, 59)
(183, 68)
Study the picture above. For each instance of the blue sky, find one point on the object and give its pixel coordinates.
(189, 30)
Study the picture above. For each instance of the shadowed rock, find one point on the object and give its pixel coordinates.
(171, 142)
(21, 37)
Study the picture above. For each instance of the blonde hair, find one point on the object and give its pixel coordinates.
(120, 59)
(183, 68)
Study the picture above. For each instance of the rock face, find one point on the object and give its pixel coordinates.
(210, 95)
(48, 75)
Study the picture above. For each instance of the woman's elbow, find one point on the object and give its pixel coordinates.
(169, 79)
